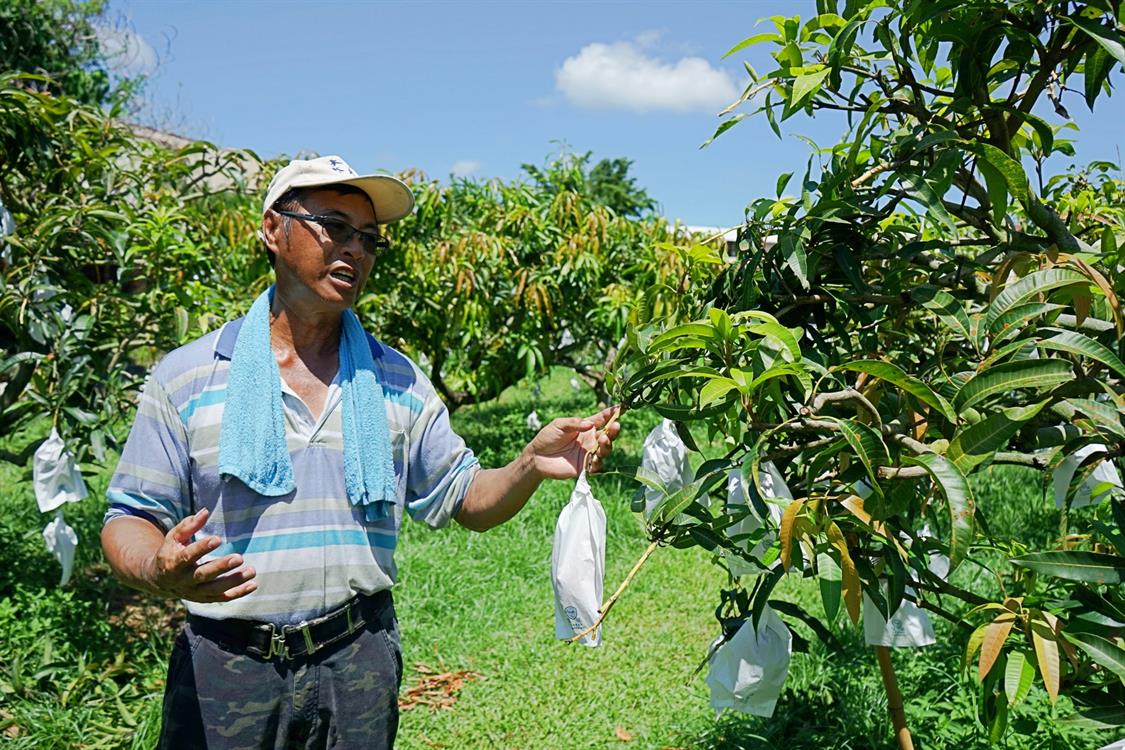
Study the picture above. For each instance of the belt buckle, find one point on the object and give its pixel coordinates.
(304, 628)
(278, 647)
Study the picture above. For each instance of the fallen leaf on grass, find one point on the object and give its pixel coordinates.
(622, 734)
(438, 690)
(13, 729)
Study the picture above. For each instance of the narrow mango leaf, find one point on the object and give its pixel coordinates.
(1012, 322)
(1007, 376)
(1106, 36)
(788, 529)
(805, 86)
(1018, 676)
(782, 334)
(896, 376)
(1047, 655)
(959, 496)
(1024, 289)
(828, 576)
(849, 577)
(994, 637)
(715, 389)
(867, 444)
(1102, 650)
(975, 640)
(920, 190)
(697, 330)
(1084, 346)
(1075, 565)
(976, 443)
(947, 307)
(793, 251)
(782, 370)
(1008, 168)
(1103, 414)
(750, 41)
(997, 188)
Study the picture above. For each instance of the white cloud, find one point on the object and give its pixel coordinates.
(126, 51)
(464, 168)
(622, 76)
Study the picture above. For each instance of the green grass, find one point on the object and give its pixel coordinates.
(84, 666)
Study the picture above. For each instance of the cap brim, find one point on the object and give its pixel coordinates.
(390, 197)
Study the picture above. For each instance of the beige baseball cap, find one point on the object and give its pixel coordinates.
(390, 196)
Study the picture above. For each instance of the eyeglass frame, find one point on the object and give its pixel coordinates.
(382, 242)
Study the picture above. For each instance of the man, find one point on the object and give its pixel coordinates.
(266, 476)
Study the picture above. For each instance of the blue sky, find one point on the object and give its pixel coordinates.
(480, 88)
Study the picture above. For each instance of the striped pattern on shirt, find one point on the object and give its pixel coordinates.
(312, 549)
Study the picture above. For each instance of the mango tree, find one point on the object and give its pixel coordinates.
(920, 304)
(493, 281)
(112, 259)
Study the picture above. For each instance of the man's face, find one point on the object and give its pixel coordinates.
(314, 272)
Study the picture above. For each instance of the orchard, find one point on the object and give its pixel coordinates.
(887, 408)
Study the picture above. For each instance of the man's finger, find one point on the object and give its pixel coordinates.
(573, 424)
(603, 417)
(190, 554)
(185, 529)
(212, 569)
(224, 587)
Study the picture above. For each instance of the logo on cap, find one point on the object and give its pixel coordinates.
(339, 166)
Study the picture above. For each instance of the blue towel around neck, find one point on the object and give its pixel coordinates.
(252, 444)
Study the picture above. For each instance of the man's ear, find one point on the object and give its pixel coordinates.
(272, 231)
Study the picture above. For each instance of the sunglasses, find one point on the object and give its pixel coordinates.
(341, 232)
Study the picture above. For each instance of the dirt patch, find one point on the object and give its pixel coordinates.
(435, 689)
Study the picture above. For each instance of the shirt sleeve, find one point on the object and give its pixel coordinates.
(441, 466)
(153, 477)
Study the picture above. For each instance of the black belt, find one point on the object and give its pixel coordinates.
(266, 640)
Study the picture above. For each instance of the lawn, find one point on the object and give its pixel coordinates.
(83, 666)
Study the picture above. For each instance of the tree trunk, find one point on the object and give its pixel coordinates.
(894, 699)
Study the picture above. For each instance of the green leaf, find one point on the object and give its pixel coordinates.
(1106, 36)
(1011, 323)
(997, 188)
(782, 335)
(724, 127)
(1101, 413)
(1103, 651)
(1008, 168)
(1029, 286)
(1027, 373)
(1084, 346)
(959, 496)
(1096, 69)
(805, 86)
(947, 307)
(750, 41)
(1019, 673)
(896, 376)
(715, 389)
(867, 444)
(793, 251)
(976, 443)
(923, 192)
(1075, 565)
(829, 577)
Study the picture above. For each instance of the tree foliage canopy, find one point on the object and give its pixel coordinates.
(915, 308)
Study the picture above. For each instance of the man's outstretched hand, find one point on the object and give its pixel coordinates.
(560, 449)
(176, 570)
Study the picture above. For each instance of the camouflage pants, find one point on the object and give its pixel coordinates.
(344, 697)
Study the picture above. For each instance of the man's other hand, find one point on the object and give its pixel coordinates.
(176, 570)
(560, 449)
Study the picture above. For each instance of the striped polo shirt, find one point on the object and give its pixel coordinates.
(312, 549)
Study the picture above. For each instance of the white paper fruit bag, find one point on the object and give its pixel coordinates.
(61, 542)
(578, 565)
(664, 460)
(909, 626)
(748, 671)
(56, 478)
